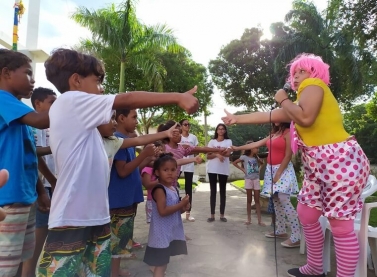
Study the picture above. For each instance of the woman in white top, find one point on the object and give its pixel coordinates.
(218, 167)
(188, 169)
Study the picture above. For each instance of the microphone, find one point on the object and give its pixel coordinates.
(286, 87)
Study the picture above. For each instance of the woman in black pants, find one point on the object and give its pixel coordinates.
(188, 169)
(218, 168)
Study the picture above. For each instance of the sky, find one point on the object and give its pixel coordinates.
(201, 26)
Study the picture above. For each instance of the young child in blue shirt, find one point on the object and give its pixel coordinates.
(18, 156)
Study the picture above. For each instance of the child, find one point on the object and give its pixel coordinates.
(118, 222)
(280, 182)
(251, 163)
(149, 180)
(333, 163)
(18, 156)
(4, 176)
(173, 146)
(79, 225)
(166, 234)
(42, 99)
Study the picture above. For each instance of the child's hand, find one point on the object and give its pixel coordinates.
(188, 102)
(44, 203)
(173, 132)
(149, 150)
(235, 148)
(229, 119)
(188, 206)
(198, 159)
(4, 176)
(220, 157)
(185, 200)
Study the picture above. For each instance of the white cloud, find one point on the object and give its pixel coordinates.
(202, 26)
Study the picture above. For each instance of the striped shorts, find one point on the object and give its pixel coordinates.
(17, 238)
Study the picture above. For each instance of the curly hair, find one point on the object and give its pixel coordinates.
(12, 60)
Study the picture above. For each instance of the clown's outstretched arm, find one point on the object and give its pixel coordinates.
(278, 115)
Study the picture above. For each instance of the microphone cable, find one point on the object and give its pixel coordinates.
(272, 193)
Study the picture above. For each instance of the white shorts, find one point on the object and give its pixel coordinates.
(252, 184)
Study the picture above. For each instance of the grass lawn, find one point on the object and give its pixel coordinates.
(181, 182)
(373, 198)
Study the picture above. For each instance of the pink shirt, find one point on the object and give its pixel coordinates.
(276, 149)
(149, 170)
(179, 153)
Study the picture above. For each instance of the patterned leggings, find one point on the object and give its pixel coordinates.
(284, 208)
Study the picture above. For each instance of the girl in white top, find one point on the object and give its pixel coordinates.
(188, 169)
(218, 167)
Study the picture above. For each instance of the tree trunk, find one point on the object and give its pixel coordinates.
(121, 76)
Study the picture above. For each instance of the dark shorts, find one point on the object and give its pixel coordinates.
(76, 250)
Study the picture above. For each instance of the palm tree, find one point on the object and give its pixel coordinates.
(117, 33)
(312, 32)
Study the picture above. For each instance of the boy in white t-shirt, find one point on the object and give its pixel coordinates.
(79, 231)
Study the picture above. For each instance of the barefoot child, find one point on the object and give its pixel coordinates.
(251, 163)
(166, 234)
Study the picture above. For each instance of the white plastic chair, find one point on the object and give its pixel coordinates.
(361, 270)
(369, 189)
(367, 234)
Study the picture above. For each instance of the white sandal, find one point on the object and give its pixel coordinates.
(189, 217)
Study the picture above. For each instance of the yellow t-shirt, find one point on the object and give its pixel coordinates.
(328, 126)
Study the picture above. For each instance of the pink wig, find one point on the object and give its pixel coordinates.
(312, 64)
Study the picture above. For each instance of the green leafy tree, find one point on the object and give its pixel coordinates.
(244, 69)
(117, 32)
(363, 126)
(313, 32)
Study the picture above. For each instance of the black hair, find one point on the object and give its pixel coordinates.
(248, 151)
(63, 63)
(41, 94)
(12, 59)
(124, 112)
(162, 159)
(281, 127)
(225, 134)
(165, 127)
(183, 120)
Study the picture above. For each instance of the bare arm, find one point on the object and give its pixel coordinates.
(277, 115)
(185, 161)
(163, 210)
(124, 168)
(146, 139)
(37, 120)
(252, 145)
(142, 99)
(42, 167)
(43, 151)
(236, 162)
(205, 149)
(305, 113)
(147, 182)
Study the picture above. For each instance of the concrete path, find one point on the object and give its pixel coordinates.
(222, 249)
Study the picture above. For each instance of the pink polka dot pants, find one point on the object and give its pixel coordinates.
(334, 177)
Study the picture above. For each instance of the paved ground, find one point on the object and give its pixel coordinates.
(221, 249)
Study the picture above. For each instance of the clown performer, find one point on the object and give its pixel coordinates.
(335, 167)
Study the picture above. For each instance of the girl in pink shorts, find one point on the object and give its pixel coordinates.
(251, 163)
(335, 167)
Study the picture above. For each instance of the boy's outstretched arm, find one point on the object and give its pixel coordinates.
(142, 99)
(36, 120)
